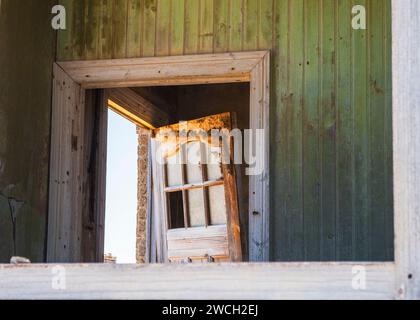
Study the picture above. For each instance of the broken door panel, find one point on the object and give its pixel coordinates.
(188, 163)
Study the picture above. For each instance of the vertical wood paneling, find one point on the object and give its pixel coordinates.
(134, 28)
(163, 27)
(295, 212)
(64, 41)
(265, 24)
(92, 19)
(388, 137)
(344, 135)
(221, 25)
(79, 26)
(328, 132)
(191, 26)
(251, 21)
(119, 28)
(149, 27)
(105, 30)
(361, 144)
(176, 43)
(281, 129)
(331, 104)
(236, 24)
(206, 34)
(377, 127)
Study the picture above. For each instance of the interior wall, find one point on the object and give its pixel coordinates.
(27, 51)
(331, 135)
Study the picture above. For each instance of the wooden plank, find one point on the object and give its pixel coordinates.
(149, 24)
(259, 203)
(93, 177)
(92, 10)
(221, 281)
(327, 134)
(134, 28)
(221, 26)
(206, 21)
(191, 29)
(192, 233)
(204, 177)
(100, 191)
(65, 37)
(177, 24)
(185, 193)
(192, 186)
(135, 104)
(106, 32)
(294, 229)
(159, 221)
(79, 28)
(250, 29)
(119, 28)
(177, 70)
(232, 214)
(377, 128)
(163, 23)
(149, 256)
(280, 194)
(236, 29)
(265, 24)
(406, 124)
(361, 144)
(344, 135)
(388, 146)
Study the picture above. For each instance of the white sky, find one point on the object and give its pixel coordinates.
(121, 193)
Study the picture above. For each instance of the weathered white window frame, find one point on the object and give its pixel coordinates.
(393, 280)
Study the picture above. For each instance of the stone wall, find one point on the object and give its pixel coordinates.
(142, 195)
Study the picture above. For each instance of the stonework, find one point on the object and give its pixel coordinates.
(142, 196)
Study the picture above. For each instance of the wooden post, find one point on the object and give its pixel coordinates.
(406, 126)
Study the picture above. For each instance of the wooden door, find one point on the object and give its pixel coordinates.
(196, 206)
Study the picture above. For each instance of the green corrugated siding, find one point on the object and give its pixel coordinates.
(331, 133)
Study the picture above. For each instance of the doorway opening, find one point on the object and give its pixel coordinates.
(145, 109)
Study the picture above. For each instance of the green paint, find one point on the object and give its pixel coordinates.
(149, 27)
(162, 27)
(206, 34)
(331, 156)
(134, 28)
(236, 25)
(311, 130)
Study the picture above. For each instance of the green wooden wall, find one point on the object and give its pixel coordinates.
(330, 112)
(27, 51)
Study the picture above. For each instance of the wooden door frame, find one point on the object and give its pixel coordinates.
(392, 280)
(72, 79)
